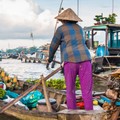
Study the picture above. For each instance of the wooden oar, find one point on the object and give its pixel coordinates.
(46, 95)
(115, 115)
(95, 75)
(27, 91)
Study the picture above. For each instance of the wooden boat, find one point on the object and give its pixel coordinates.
(107, 54)
(39, 56)
(26, 59)
(59, 112)
(20, 113)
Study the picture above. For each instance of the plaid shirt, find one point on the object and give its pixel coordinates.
(72, 44)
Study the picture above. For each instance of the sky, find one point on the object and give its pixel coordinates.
(20, 18)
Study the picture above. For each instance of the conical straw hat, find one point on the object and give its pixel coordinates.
(115, 73)
(69, 15)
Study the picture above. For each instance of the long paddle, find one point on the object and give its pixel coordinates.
(46, 95)
(103, 78)
(28, 90)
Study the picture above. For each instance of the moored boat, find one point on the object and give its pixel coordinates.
(59, 109)
(20, 113)
(0, 58)
(107, 48)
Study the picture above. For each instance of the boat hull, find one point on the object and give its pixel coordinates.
(19, 113)
(16, 114)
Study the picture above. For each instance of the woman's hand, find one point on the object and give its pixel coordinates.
(47, 65)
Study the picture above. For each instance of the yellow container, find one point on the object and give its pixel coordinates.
(95, 102)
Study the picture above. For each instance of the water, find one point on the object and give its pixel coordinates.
(26, 71)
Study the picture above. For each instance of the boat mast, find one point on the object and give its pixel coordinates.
(59, 11)
(31, 35)
(78, 7)
(112, 6)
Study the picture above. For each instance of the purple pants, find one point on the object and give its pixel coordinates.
(84, 71)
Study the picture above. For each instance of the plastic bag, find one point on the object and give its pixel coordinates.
(8, 99)
(11, 94)
(30, 100)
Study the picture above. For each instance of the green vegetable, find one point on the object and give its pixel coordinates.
(60, 83)
(55, 83)
(2, 93)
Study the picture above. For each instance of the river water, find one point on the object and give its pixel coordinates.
(26, 71)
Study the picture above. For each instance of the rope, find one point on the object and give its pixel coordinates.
(108, 62)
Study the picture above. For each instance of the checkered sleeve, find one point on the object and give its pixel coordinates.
(54, 44)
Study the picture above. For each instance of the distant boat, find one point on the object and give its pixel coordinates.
(38, 57)
(0, 57)
(5, 56)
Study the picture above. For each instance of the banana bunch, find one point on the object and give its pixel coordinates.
(11, 82)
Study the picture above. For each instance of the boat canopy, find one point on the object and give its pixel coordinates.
(109, 33)
(115, 27)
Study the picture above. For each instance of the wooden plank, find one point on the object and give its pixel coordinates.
(46, 95)
(115, 115)
(95, 75)
(112, 56)
(112, 67)
(82, 115)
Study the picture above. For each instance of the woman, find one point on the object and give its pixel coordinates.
(76, 57)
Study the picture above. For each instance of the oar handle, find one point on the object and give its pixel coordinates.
(46, 95)
(54, 61)
(57, 62)
(47, 66)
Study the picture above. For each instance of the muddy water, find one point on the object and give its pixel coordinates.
(26, 71)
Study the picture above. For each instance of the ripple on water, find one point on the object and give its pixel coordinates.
(26, 71)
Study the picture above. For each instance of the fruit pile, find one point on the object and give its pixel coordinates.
(10, 82)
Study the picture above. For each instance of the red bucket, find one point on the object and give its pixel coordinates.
(80, 104)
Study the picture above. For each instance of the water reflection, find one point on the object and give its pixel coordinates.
(26, 71)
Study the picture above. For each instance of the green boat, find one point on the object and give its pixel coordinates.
(105, 41)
